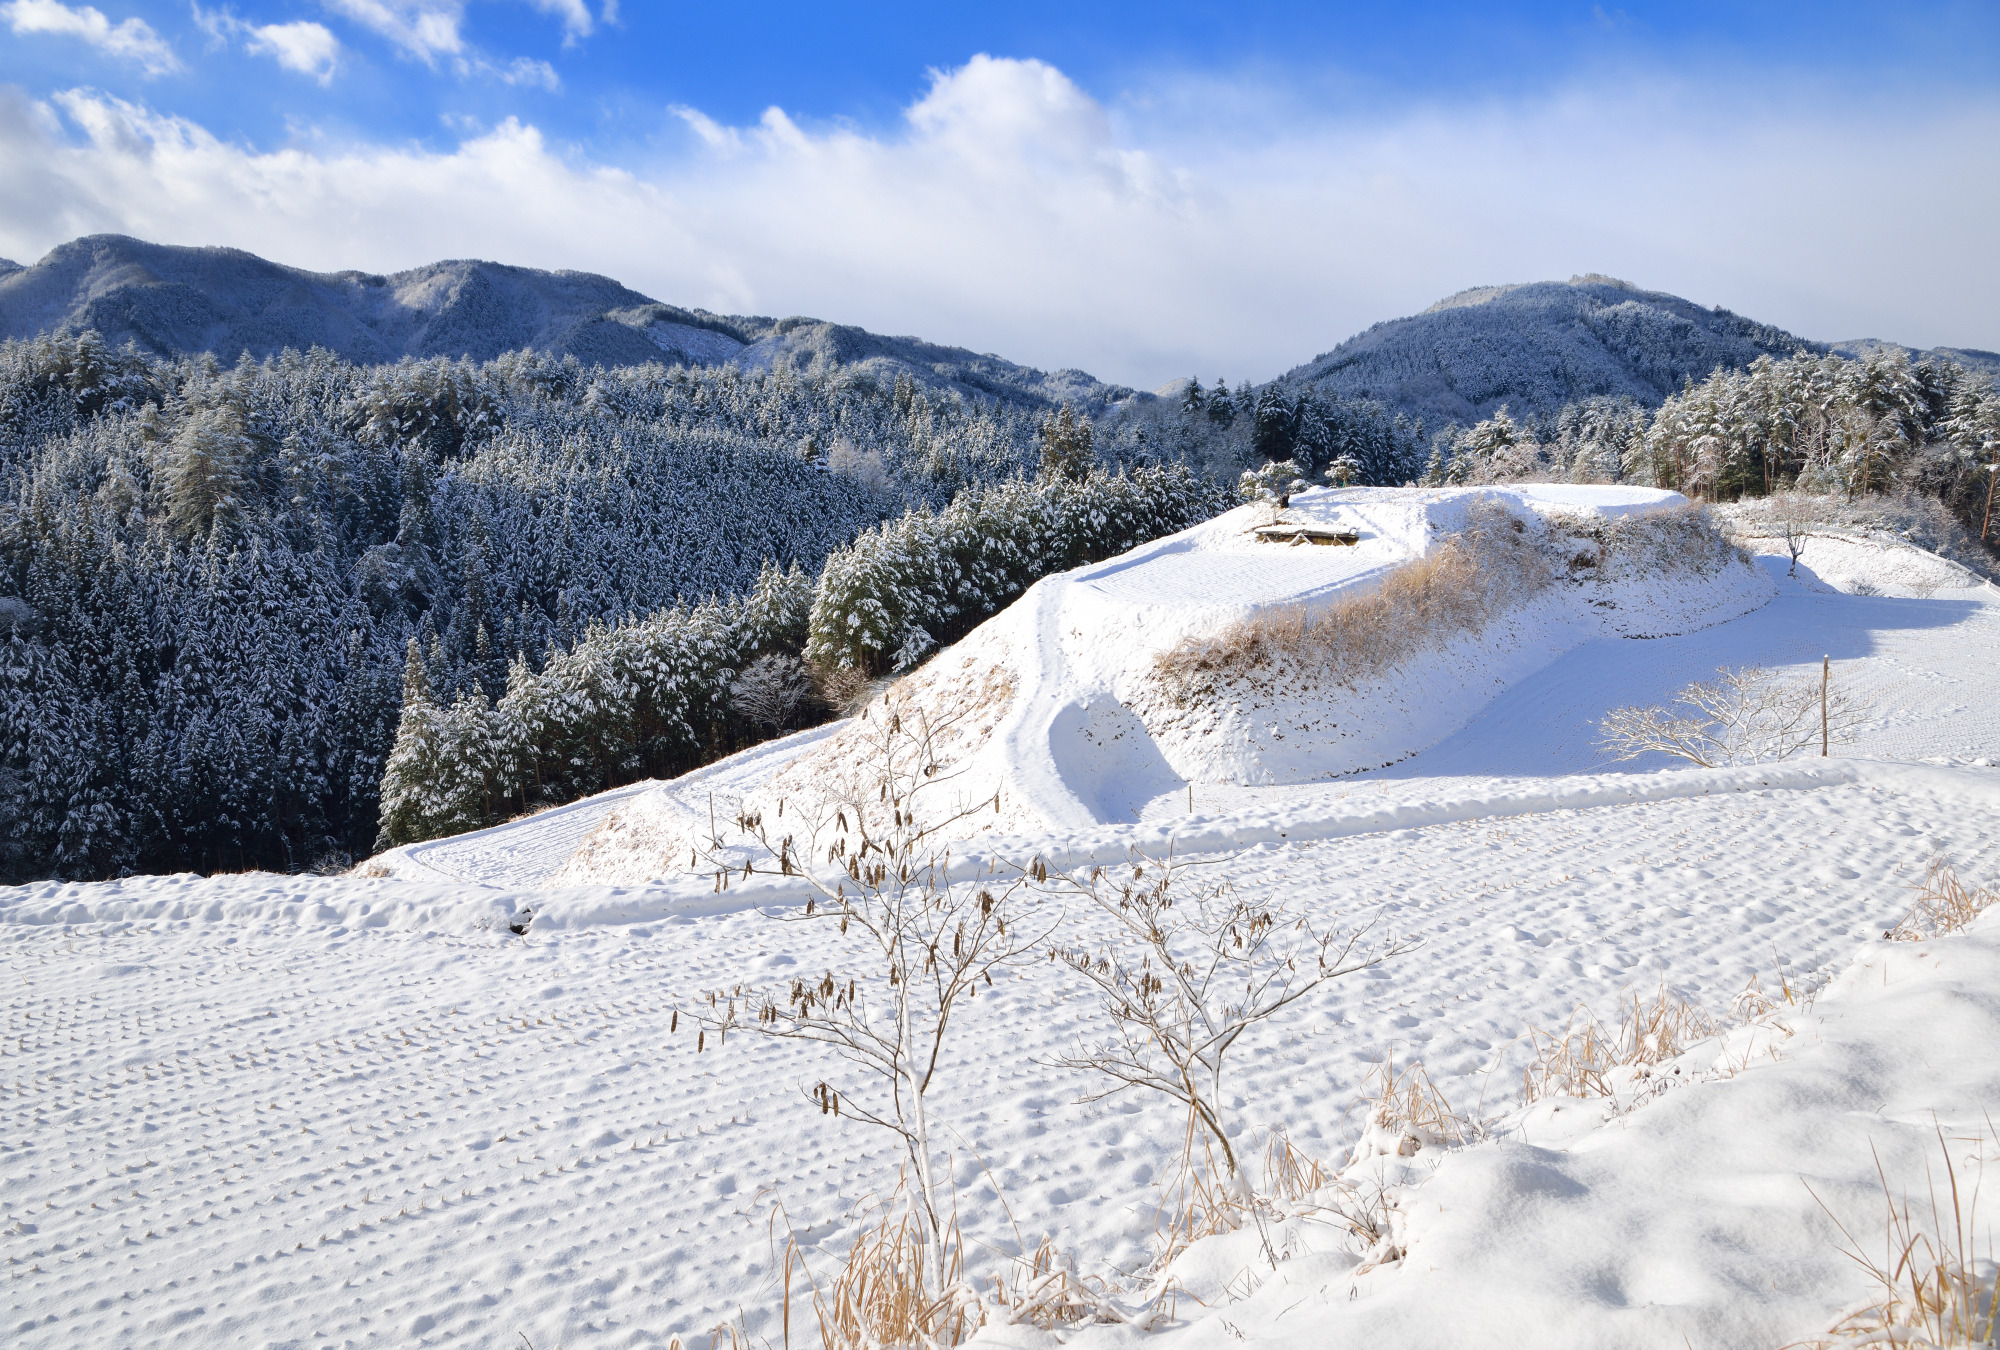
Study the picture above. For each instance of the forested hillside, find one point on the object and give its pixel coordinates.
(209, 576)
(1812, 425)
(272, 612)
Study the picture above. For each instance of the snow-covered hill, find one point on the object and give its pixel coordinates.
(1067, 711)
(1538, 346)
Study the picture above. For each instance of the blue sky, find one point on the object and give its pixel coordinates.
(1142, 191)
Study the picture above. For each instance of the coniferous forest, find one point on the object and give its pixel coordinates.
(219, 584)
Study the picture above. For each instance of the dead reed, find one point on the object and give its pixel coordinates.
(1588, 1059)
(1936, 1287)
(1944, 905)
(1407, 1113)
(878, 1296)
(1453, 589)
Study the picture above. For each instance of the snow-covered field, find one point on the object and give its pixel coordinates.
(271, 1111)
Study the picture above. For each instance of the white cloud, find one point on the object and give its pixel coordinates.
(523, 70)
(1012, 212)
(424, 29)
(575, 16)
(130, 40)
(307, 48)
(429, 29)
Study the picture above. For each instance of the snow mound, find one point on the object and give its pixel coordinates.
(1711, 1215)
(1056, 709)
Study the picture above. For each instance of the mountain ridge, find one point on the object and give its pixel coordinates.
(1530, 346)
(172, 300)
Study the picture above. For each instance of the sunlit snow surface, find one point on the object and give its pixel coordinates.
(268, 1111)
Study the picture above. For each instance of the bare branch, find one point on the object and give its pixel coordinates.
(1187, 971)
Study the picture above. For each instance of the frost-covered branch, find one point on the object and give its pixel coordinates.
(1745, 716)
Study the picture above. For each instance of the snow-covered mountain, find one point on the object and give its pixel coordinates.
(1532, 347)
(1972, 358)
(1537, 346)
(172, 300)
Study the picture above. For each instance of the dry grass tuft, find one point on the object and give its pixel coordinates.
(1290, 1173)
(1944, 905)
(1407, 1113)
(1934, 1288)
(1454, 589)
(1587, 1059)
(1046, 1292)
(877, 1296)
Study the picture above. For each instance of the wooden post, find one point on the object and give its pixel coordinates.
(1992, 474)
(1825, 674)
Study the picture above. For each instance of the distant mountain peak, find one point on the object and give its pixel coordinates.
(1535, 346)
(1481, 295)
(1972, 358)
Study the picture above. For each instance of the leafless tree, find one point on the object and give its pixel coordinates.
(1746, 716)
(1793, 514)
(1187, 970)
(771, 690)
(874, 857)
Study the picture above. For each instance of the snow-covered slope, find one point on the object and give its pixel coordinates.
(302, 1110)
(1056, 708)
(1710, 1215)
(462, 1106)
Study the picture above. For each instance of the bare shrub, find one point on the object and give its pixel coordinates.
(871, 852)
(1186, 972)
(866, 467)
(771, 691)
(1944, 905)
(1454, 589)
(839, 687)
(1587, 1059)
(1746, 716)
(1935, 1288)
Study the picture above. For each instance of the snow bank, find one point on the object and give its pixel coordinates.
(1695, 1219)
